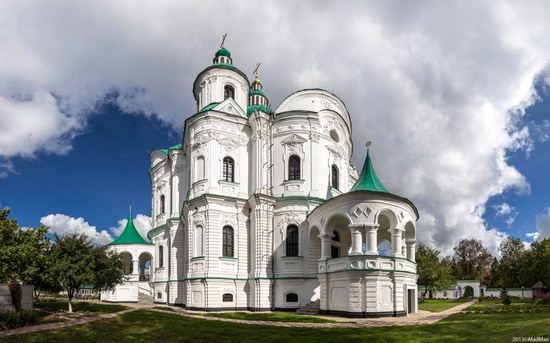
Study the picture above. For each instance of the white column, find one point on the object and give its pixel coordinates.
(411, 245)
(396, 241)
(136, 267)
(372, 247)
(404, 250)
(325, 246)
(356, 239)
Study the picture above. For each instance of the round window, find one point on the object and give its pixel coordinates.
(334, 136)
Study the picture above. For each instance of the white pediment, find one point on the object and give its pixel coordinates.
(293, 139)
(230, 106)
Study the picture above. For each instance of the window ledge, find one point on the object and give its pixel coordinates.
(197, 258)
(292, 257)
(228, 258)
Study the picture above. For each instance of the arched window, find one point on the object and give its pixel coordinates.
(228, 169)
(228, 239)
(161, 256)
(291, 298)
(198, 241)
(228, 92)
(334, 179)
(294, 168)
(162, 203)
(227, 297)
(292, 240)
(200, 172)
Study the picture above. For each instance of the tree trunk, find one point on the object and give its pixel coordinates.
(69, 293)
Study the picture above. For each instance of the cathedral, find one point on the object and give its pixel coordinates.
(260, 209)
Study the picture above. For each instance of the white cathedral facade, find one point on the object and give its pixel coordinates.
(262, 210)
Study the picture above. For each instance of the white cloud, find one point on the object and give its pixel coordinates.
(141, 222)
(533, 235)
(543, 226)
(63, 225)
(503, 209)
(440, 87)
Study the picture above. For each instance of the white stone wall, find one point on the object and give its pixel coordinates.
(6, 303)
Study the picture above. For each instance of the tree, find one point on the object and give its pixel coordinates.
(509, 266)
(79, 262)
(472, 260)
(21, 250)
(538, 266)
(435, 275)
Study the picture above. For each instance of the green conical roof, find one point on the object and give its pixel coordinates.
(130, 235)
(368, 181)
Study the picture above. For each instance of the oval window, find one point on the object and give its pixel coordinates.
(334, 136)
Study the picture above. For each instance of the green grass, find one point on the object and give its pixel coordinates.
(80, 306)
(438, 305)
(148, 326)
(271, 317)
(496, 306)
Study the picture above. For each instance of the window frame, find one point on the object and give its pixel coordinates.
(228, 241)
(335, 177)
(224, 299)
(292, 241)
(228, 169)
(228, 92)
(161, 257)
(294, 168)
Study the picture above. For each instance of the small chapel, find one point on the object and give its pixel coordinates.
(262, 210)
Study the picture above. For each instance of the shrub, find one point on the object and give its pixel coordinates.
(480, 298)
(13, 319)
(539, 301)
(507, 300)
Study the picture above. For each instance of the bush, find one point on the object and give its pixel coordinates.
(480, 298)
(13, 319)
(506, 300)
(539, 301)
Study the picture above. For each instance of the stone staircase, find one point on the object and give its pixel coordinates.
(144, 294)
(311, 308)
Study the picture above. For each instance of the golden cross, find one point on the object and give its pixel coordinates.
(223, 40)
(368, 144)
(256, 70)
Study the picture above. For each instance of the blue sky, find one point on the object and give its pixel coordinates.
(88, 88)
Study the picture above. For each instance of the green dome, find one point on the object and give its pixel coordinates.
(223, 52)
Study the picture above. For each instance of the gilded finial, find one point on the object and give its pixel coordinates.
(256, 70)
(368, 145)
(223, 40)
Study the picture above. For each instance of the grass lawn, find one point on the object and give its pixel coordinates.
(147, 326)
(438, 305)
(271, 317)
(80, 306)
(164, 308)
(496, 305)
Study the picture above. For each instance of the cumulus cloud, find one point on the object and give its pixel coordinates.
(508, 212)
(141, 222)
(543, 226)
(63, 225)
(441, 88)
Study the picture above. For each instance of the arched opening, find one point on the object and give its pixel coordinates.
(145, 266)
(340, 244)
(228, 242)
(386, 222)
(228, 169)
(314, 251)
(468, 292)
(294, 172)
(292, 241)
(128, 265)
(291, 297)
(335, 180)
(228, 92)
(227, 297)
(409, 240)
